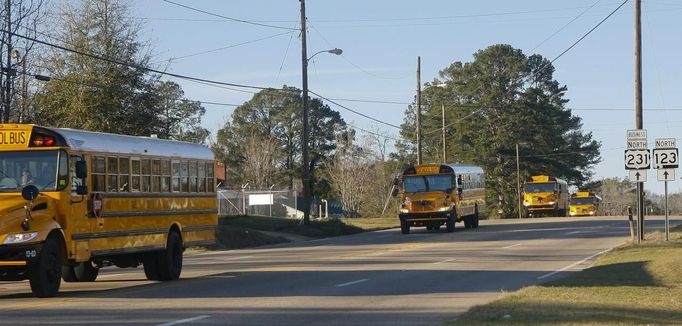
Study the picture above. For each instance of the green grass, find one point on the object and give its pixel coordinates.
(631, 285)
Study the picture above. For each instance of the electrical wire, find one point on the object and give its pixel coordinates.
(229, 46)
(226, 17)
(136, 66)
(352, 63)
(356, 112)
(566, 25)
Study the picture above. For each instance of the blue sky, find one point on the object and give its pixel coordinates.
(382, 38)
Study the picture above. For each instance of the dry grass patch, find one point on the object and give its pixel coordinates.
(631, 285)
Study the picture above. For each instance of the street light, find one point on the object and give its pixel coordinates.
(304, 146)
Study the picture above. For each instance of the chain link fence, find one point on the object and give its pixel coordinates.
(278, 203)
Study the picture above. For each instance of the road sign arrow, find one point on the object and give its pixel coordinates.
(665, 174)
(637, 175)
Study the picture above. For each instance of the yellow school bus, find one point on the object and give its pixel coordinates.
(545, 195)
(437, 194)
(583, 203)
(73, 201)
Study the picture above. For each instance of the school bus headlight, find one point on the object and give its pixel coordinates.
(552, 203)
(591, 212)
(20, 237)
(525, 203)
(404, 210)
(444, 209)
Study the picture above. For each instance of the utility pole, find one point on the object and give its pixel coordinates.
(304, 146)
(8, 70)
(442, 111)
(419, 112)
(518, 179)
(638, 110)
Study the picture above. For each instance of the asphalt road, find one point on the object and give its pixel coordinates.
(378, 278)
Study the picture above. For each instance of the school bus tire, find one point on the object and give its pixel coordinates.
(475, 218)
(405, 227)
(68, 274)
(450, 223)
(86, 272)
(170, 259)
(45, 275)
(151, 266)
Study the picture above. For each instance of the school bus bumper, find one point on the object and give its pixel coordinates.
(431, 216)
(16, 259)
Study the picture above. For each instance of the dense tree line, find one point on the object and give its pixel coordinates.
(500, 99)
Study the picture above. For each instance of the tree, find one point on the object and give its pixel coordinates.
(17, 55)
(95, 94)
(178, 118)
(276, 114)
(616, 196)
(501, 99)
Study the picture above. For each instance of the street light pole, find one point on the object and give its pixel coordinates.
(305, 169)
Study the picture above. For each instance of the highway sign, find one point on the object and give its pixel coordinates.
(637, 144)
(637, 175)
(637, 134)
(666, 174)
(636, 159)
(666, 143)
(666, 158)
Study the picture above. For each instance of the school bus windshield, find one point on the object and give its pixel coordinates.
(582, 201)
(539, 187)
(22, 168)
(423, 183)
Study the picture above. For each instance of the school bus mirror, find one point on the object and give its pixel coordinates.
(394, 193)
(82, 190)
(29, 192)
(396, 181)
(81, 169)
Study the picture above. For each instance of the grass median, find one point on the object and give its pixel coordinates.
(251, 231)
(632, 285)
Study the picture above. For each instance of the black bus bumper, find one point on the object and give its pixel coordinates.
(15, 260)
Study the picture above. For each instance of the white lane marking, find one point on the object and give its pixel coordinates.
(574, 232)
(111, 275)
(183, 321)
(209, 260)
(512, 246)
(353, 282)
(574, 264)
(445, 261)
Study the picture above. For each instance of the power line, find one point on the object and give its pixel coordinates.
(566, 25)
(228, 18)
(230, 46)
(352, 63)
(581, 38)
(136, 66)
(356, 112)
(391, 19)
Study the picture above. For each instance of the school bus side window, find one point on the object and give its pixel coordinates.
(75, 181)
(99, 173)
(135, 175)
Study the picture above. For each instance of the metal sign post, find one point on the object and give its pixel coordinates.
(637, 162)
(666, 160)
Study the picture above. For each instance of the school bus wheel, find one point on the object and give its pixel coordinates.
(45, 275)
(170, 260)
(81, 272)
(450, 223)
(405, 227)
